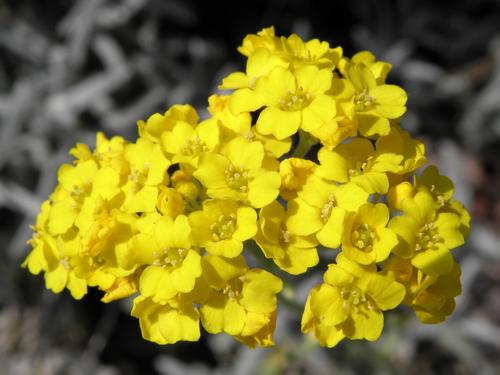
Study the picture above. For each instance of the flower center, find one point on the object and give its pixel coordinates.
(224, 227)
(138, 177)
(327, 208)
(169, 257)
(237, 178)
(98, 261)
(284, 235)
(233, 287)
(427, 237)
(438, 196)
(65, 263)
(362, 237)
(295, 101)
(363, 101)
(193, 146)
(359, 167)
(355, 299)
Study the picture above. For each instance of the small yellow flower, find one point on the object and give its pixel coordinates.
(440, 187)
(294, 173)
(398, 193)
(241, 301)
(400, 142)
(379, 69)
(148, 167)
(426, 236)
(265, 38)
(292, 100)
(432, 298)
(172, 266)
(358, 162)
(293, 254)
(176, 320)
(313, 52)
(185, 143)
(239, 174)
(350, 303)
(321, 207)
(222, 227)
(259, 64)
(366, 238)
(156, 125)
(374, 104)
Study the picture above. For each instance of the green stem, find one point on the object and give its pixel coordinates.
(306, 141)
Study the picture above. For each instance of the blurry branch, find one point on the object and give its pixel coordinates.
(483, 106)
(89, 359)
(18, 198)
(78, 26)
(111, 16)
(91, 92)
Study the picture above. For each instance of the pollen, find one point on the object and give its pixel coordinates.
(362, 237)
(427, 237)
(363, 101)
(327, 208)
(193, 146)
(295, 101)
(237, 178)
(360, 167)
(224, 227)
(169, 257)
(354, 300)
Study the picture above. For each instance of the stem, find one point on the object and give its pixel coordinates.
(306, 141)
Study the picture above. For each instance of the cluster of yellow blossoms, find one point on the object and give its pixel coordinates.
(304, 152)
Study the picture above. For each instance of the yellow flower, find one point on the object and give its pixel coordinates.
(293, 254)
(426, 236)
(239, 174)
(455, 207)
(172, 265)
(440, 187)
(350, 303)
(292, 100)
(313, 52)
(35, 261)
(374, 104)
(321, 207)
(432, 298)
(266, 324)
(399, 142)
(335, 131)
(122, 287)
(379, 69)
(259, 64)
(60, 255)
(170, 202)
(358, 162)
(187, 142)
(148, 167)
(294, 173)
(103, 229)
(265, 38)
(366, 239)
(232, 126)
(176, 320)
(76, 184)
(222, 227)
(156, 125)
(398, 193)
(241, 300)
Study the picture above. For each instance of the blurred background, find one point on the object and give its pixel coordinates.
(71, 68)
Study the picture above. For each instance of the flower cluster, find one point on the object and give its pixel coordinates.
(303, 153)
